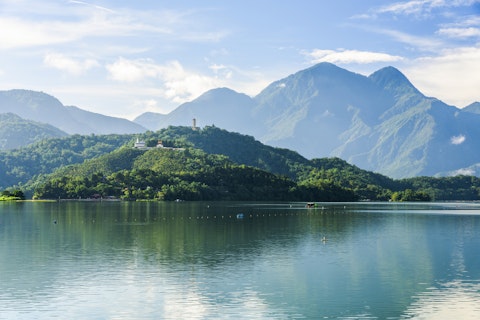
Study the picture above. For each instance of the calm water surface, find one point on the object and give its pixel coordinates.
(123, 260)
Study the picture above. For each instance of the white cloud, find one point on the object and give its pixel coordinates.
(460, 32)
(467, 27)
(349, 56)
(409, 7)
(124, 70)
(420, 43)
(24, 27)
(422, 7)
(148, 105)
(70, 65)
(19, 33)
(179, 85)
(91, 5)
(464, 172)
(221, 70)
(457, 139)
(452, 76)
(461, 26)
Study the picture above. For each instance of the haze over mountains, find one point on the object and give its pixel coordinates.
(41, 107)
(380, 123)
(16, 131)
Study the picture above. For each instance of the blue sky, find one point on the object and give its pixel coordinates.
(123, 58)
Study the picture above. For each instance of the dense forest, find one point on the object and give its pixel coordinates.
(7, 195)
(204, 164)
(188, 174)
(18, 166)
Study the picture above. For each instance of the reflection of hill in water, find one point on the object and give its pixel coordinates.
(179, 231)
(384, 256)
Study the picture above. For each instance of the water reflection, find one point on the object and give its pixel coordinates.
(453, 300)
(197, 260)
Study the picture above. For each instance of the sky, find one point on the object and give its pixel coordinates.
(123, 58)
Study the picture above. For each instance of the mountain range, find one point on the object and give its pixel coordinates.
(44, 108)
(380, 122)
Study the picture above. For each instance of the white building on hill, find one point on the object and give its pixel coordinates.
(139, 144)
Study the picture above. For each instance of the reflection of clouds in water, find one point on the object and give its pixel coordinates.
(132, 296)
(186, 305)
(457, 299)
(454, 300)
(193, 305)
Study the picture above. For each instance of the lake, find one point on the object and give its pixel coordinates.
(198, 260)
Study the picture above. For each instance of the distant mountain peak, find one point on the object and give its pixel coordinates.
(474, 107)
(33, 96)
(222, 90)
(326, 69)
(41, 107)
(219, 92)
(391, 79)
(325, 66)
(9, 116)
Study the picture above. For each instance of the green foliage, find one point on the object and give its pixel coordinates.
(207, 164)
(446, 188)
(18, 166)
(365, 184)
(7, 195)
(410, 195)
(166, 174)
(16, 132)
(241, 149)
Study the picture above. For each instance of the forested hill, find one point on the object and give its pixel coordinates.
(18, 166)
(239, 148)
(15, 131)
(178, 173)
(204, 164)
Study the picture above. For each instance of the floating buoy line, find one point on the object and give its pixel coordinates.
(239, 216)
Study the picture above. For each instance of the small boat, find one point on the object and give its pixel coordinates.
(310, 205)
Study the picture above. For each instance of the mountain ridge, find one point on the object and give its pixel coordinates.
(16, 131)
(380, 122)
(214, 164)
(44, 108)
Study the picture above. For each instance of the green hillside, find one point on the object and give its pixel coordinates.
(204, 164)
(20, 165)
(169, 174)
(16, 132)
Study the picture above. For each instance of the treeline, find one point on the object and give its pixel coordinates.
(18, 166)
(444, 188)
(212, 164)
(187, 175)
(7, 195)
(15, 131)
